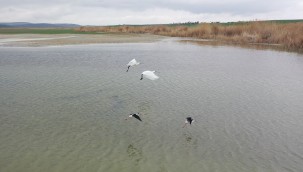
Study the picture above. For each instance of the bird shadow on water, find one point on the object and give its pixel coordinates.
(144, 108)
(117, 102)
(190, 140)
(134, 154)
(81, 95)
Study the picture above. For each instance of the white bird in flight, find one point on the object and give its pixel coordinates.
(133, 62)
(149, 75)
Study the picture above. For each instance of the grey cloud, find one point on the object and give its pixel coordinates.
(194, 6)
(147, 11)
(202, 6)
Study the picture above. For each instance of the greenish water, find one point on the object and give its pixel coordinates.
(63, 109)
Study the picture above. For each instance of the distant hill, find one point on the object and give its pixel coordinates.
(37, 25)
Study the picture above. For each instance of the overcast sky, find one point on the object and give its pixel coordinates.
(109, 12)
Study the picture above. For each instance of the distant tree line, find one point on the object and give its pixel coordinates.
(186, 23)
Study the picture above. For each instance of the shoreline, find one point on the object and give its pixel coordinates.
(51, 40)
(289, 35)
(41, 40)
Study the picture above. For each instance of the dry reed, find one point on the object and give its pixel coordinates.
(289, 35)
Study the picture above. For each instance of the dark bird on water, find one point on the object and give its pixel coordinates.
(188, 120)
(135, 116)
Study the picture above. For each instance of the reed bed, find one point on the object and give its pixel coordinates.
(289, 35)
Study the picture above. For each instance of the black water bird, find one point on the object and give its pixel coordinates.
(188, 120)
(135, 116)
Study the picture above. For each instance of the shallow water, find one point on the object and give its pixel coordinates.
(8, 40)
(63, 109)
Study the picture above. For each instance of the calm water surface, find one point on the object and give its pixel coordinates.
(63, 109)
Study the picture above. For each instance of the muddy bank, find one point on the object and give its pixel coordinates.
(36, 40)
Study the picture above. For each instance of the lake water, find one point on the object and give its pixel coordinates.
(64, 109)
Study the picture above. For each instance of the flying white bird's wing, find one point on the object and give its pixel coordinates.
(133, 62)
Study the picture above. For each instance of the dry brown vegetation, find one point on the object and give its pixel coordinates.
(289, 35)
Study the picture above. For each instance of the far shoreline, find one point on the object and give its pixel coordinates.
(66, 39)
(40, 40)
(288, 34)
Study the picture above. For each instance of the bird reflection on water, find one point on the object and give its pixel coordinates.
(134, 153)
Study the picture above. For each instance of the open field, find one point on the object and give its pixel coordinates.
(288, 34)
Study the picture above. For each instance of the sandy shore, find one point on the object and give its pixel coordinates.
(35, 40)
